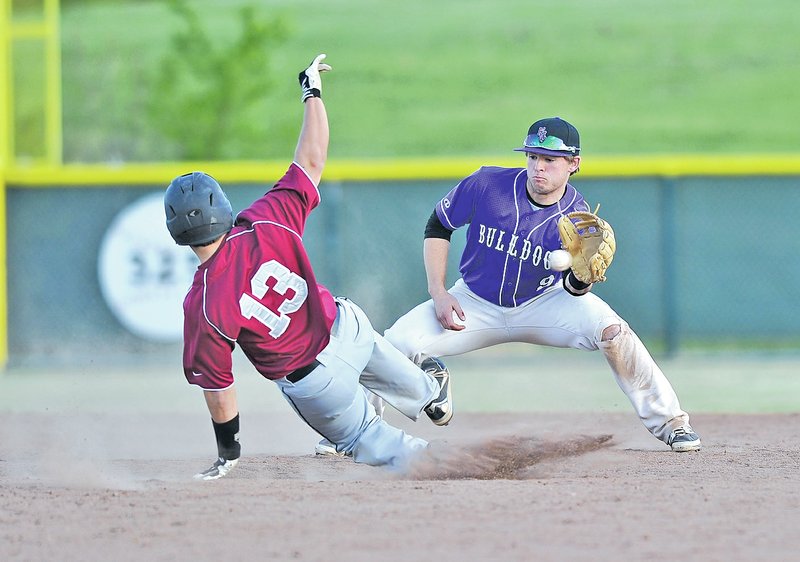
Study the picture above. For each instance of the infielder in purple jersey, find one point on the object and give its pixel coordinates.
(508, 292)
(256, 288)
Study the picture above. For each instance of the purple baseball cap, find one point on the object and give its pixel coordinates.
(552, 136)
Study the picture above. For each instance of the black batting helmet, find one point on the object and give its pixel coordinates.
(197, 209)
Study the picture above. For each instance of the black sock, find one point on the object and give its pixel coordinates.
(227, 434)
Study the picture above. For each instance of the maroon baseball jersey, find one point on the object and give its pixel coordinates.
(258, 291)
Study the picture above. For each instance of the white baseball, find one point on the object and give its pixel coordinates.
(560, 260)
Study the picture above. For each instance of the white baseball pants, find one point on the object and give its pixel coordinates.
(555, 319)
(332, 401)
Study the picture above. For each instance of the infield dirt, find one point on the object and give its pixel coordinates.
(496, 487)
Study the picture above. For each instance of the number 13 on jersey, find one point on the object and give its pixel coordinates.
(284, 280)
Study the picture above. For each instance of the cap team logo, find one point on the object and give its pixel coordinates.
(542, 134)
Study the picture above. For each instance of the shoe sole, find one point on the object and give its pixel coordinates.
(328, 453)
(685, 447)
(444, 420)
(323, 451)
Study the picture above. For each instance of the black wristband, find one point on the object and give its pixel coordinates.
(575, 286)
(308, 92)
(227, 434)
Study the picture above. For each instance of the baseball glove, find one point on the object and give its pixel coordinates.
(591, 243)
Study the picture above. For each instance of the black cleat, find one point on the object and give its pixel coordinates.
(440, 410)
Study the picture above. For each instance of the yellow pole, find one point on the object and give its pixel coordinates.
(3, 276)
(5, 84)
(5, 161)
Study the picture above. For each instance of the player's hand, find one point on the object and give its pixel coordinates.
(447, 306)
(310, 81)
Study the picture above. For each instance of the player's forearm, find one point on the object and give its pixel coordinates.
(435, 253)
(312, 146)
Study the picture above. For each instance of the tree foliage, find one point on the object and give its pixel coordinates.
(203, 89)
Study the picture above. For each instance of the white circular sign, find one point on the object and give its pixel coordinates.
(144, 276)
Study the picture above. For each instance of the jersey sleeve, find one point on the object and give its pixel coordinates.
(458, 207)
(207, 354)
(288, 202)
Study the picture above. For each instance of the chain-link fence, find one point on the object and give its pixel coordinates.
(95, 278)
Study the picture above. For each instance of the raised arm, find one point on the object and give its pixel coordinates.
(312, 146)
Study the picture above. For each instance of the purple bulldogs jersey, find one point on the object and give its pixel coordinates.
(509, 240)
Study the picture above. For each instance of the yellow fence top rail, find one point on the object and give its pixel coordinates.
(400, 169)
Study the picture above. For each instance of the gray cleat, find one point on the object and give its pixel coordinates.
(684, 439)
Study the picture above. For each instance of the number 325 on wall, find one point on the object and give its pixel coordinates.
(285, 279)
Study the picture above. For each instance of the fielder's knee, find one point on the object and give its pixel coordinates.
(611, 332)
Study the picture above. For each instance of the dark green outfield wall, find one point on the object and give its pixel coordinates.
(699, 259)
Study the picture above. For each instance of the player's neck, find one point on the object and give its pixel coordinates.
(204, 253)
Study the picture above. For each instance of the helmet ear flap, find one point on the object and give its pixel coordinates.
(197, 209)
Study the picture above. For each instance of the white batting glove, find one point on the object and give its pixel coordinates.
(310, 81)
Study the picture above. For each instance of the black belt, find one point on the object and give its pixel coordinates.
(298, 374)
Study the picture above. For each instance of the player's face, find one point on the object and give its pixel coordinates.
(547, 175)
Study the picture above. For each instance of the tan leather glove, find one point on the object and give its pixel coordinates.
(590, 240)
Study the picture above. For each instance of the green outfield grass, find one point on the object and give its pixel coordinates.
(463, 78)
(508, 378)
